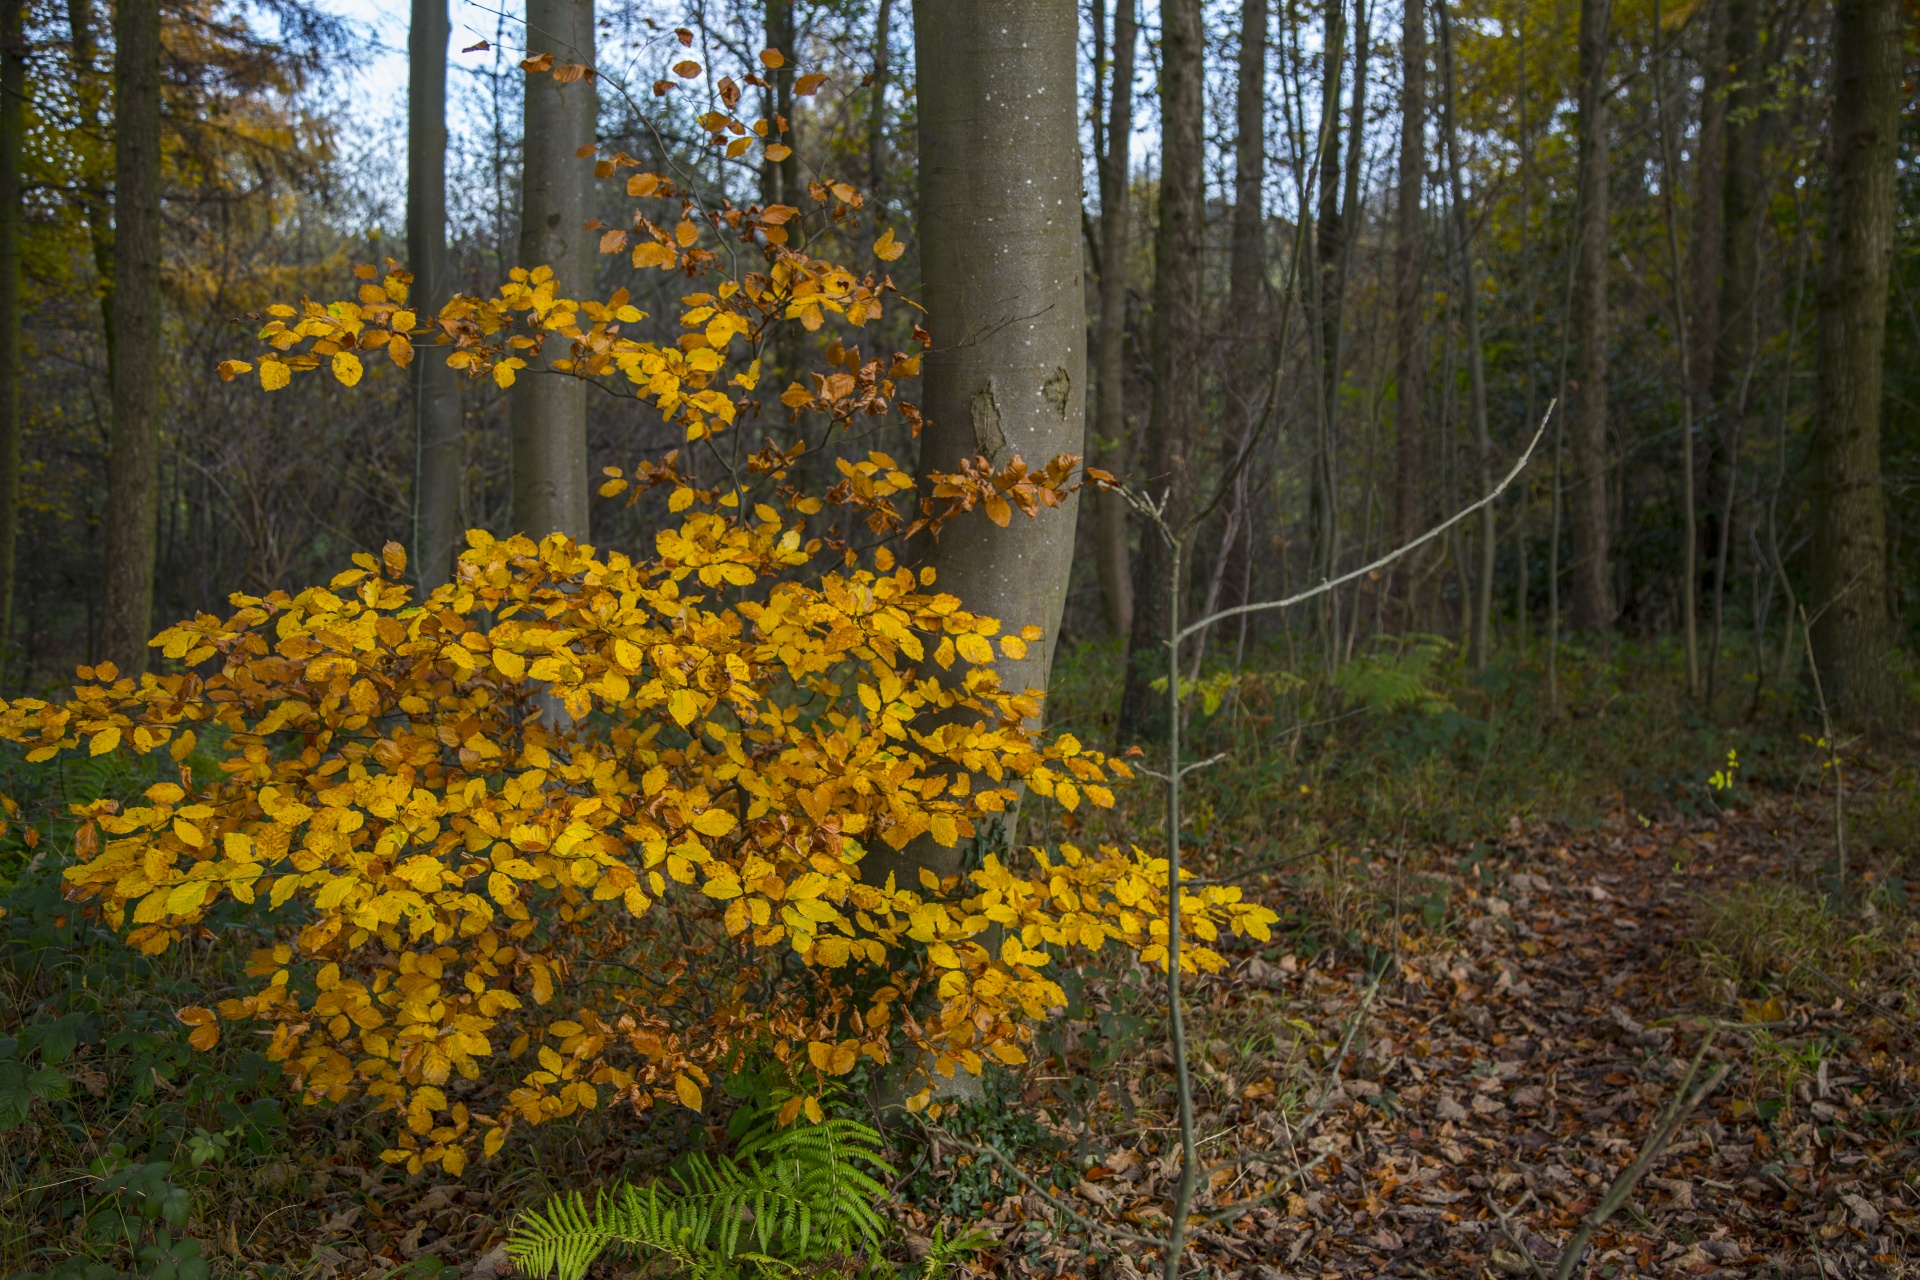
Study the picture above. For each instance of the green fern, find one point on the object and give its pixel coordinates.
(790, 1196)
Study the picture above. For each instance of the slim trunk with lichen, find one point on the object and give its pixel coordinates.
(549, 410)
(1587, 376)
(1410, 309)
(133, 458)
(439, 458)
(1107, 445)
(1852, 632)
(1178, 334)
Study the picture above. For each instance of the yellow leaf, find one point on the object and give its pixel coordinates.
(274, 375)
(845, 1054)
(510, 664)
(820, 1054)
(689, 1092)
(778, 151)
(680, 499)
(809, 83)
(496, 1138)
(229, 369)
(945, 831)
(1011, 1054)
(683, 706)
(346, 367)
(104, 741)
(686, 233)
(812, 1107)
(998, 511)
(886, 248)
(714, 822)
(772, 59)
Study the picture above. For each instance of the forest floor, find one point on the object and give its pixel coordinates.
(1505, 936)
(1514, 1061)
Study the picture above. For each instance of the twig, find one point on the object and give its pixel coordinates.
(1331, 584)
(1683, 1105)
(1506, 1229)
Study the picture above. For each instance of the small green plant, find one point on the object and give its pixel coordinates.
(791, 1197)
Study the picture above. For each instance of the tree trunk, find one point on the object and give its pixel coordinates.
(1410, 306)
(1587, 385)
(133, 460)
(13, 94)
(1482, 606)
(1709, 152)
(1177, 323)
(1852, 634)
(877, 107)
(1740, 197)
(780, 179)
(92, 175)
(440, 460)
(1003, 285)
(1108, 447)
(1327, 242)
(549, 411)
(1248, 306)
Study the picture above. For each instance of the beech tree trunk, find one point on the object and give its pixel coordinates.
(13, 94)
(1177, 338)
(1852, 633)
(133, 459)
(1410, 307)
(1108, 445)
(549, 411)
(440, 460)
(1328, 289)
(1002, 282)
(780, 179)
(1587, 383)
(877, 108)
(1740, 197)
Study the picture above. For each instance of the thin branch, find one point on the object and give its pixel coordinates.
(1683, 1105)
(1331, 584)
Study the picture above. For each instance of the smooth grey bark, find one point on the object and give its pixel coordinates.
(549, 411)
(13, 94)
(1482, 606)
(1003, 285)
(1178, 333)
(439, 458)
(1108, 442)
(1852, 633)
(1587, 380)
(1410, 307)
(133, 458)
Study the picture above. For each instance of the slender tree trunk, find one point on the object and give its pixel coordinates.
(780, 179)
(1741, 197)
(877, 105)
(133, 461)
(1109, 444)
(1327, 243)
(1689, 497)
(440, 461)
(1177, 337)
(1002, 274)
(1852, 633)
(93, 170)
(1587, 385)
(1709, 159)
(13, 94)
(549, 411)
(1479, 634)
(1410, 305)
(1248, 293)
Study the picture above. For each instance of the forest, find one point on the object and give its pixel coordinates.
(740, 639)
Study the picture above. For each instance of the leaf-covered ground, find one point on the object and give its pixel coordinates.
(1536, 1006)
(1513, 1062)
